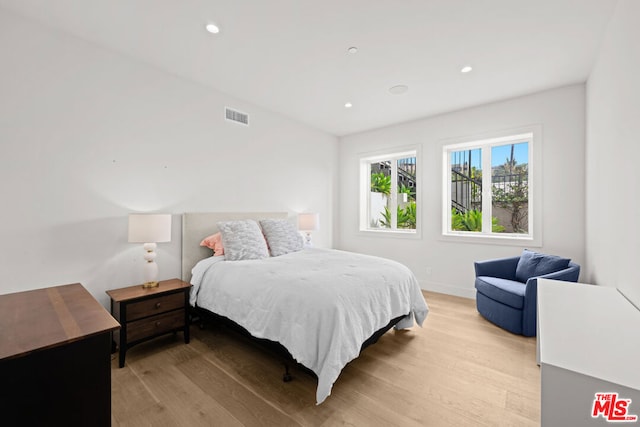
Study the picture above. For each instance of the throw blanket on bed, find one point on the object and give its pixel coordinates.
(320, 304)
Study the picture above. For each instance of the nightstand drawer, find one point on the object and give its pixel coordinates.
(154, 306)
(155, 325)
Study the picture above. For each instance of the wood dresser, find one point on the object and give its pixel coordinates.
(55, 358)
(146, 313)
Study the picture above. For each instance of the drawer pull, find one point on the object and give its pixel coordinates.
(157, 324)
(157, 305)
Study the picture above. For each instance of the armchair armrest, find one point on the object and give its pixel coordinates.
(504, 268)
(569, 274)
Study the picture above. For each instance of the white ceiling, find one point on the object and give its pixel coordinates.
(290, 56)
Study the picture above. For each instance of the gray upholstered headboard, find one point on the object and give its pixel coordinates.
(197, 226)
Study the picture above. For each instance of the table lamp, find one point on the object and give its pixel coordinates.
(308, 222)
(150, 229)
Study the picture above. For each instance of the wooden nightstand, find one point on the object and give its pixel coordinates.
(148, 313)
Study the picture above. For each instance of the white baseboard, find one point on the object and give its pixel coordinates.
(444, 288)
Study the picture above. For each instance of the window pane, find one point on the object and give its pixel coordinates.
(510, 188)
(388, 198)
(406, 206)
(379, 215)
(466, 190)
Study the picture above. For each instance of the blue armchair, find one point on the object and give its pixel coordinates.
(507, 288)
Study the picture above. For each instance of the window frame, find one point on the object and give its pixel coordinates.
(531, 134)
(365, 161)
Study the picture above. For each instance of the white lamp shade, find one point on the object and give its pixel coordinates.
(308, 221)
(149, 228)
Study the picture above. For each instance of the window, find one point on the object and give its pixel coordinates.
(389, 198)
(488, 188)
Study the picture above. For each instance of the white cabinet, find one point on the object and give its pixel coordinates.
(588, 343)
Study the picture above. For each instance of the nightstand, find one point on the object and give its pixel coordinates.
(148, 313)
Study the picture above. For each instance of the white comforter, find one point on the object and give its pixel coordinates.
(320, 304)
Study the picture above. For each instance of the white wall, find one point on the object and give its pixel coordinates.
(560, 112)
(613, 156)
(88, 136)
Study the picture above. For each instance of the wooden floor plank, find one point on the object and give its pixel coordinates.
(459, 370)
(247, 407)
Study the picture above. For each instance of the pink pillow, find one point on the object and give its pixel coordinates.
(214, 242)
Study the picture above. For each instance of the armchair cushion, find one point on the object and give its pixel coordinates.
(533, 264)
(508, 292)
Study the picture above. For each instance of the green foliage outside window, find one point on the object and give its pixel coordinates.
(406, 218)
(381, 183)
(472, 221)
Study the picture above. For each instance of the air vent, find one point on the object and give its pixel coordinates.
(236, 116)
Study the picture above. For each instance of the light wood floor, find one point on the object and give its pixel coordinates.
(459, 370)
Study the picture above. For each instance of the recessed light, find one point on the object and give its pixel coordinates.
(466, 69)
(213, 28)
(352, 49)
(398, 89)
(348, 105)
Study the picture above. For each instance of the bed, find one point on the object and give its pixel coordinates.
(321, 305)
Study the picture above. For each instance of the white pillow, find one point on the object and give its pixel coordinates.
(242, 240)
(281, 236)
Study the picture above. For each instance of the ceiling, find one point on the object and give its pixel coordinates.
(291, 56)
